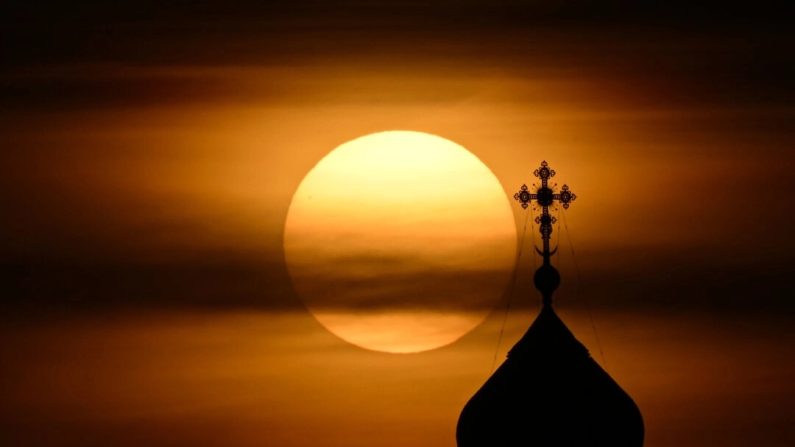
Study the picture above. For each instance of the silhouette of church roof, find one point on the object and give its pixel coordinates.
(549, 391)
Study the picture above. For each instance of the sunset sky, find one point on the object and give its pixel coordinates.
(149, 155)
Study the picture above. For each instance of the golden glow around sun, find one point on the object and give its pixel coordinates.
(400, 241)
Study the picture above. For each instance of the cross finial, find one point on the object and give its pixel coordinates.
(544, 196)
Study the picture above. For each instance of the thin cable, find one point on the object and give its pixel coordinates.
(577, 291)
(533, 251)
(509, 295)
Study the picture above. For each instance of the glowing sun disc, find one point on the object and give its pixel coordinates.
(400, 241)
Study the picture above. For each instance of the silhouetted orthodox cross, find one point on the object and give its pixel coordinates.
(547, 277)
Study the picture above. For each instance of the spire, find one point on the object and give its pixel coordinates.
(549, 391)
(547, 278)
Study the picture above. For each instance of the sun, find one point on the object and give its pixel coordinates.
(400, 241)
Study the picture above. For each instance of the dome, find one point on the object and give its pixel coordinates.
(550, 392)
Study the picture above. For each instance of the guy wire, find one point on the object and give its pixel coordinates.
(511, 289)
(577, 291)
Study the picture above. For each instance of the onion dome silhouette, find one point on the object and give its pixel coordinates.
(549, 391)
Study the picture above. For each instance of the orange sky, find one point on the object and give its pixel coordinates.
(150, 153)
(280, 379)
